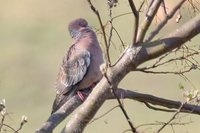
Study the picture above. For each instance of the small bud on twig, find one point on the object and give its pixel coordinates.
(24, 119)
(112, 3)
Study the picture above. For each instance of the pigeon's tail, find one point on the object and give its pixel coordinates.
(61, 99)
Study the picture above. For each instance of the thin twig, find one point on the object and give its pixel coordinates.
(164, 7)
(142, 4)
(104, 114)
(3, 125)
(121, 106)
(122, 43)
(98, 32)
(20, 127)
(118, 35)
(111, 33)
(102, 28)
(149, 4)
(173, 117)
(166, 72)
(123, 14)
(162, 123)
(2, 122)
(6, 125)
(184, 57)
(124, 112)
(193, 6)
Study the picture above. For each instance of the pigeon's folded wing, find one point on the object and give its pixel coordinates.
(73, 69)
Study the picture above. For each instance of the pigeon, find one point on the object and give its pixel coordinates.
(80, 68)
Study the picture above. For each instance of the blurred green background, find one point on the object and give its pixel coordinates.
(33, 40)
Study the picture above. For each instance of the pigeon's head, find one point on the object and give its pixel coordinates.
(76, 25)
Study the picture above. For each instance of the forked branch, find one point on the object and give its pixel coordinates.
(148, 19)
(73, 103)
(165, 20)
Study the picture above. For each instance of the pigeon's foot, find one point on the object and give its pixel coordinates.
(82, 95)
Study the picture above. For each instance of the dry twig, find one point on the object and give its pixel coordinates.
(173, 117)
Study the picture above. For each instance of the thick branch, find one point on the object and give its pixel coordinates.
(60, 115)
(88, 109)
(74, 102)
(99, 94)
(174, 40)
(131, 58)
(171, 104)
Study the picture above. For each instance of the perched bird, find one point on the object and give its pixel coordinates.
(80, 68)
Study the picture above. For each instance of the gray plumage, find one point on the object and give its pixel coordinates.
(80, 68)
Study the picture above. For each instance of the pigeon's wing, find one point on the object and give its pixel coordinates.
(73, 69)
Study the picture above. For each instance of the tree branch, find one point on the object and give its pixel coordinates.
(75, 101)
(158, 109)
(102, 28)
(135, 13)
(165, 20)
(131, 58)
(60, 115)
(107, 112)
(88, 109)
(148, 19)
(147, 98)
(173, 117)
(124, 112)
(181, 58)
(174, 40)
